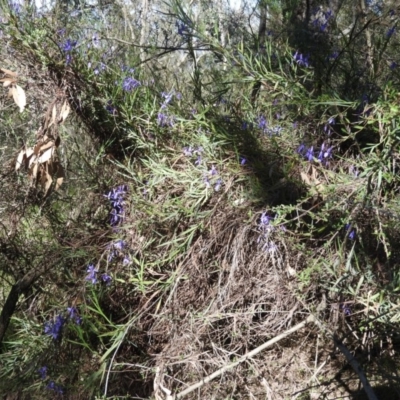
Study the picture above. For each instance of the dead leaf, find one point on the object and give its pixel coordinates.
(7, 81)
(46, 155)
(8, 72)
(45, 146)
(20, 159)
(33, 172)
(19, 97)
(65, 109)
(47, 183)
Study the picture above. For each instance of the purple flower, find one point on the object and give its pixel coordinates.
(301, 149)
(69, 45)
(126, 260)
(168, 97)
(354, 171)
(130, 84)
(68, 59)
(74, 315)
(264, 220)
(188, 151)
(96, 40)
(352, 234)
(262, 123)
(92, 274)
(42, 372)
(324, 153)
(218, 185)
(242, 160)
(393, 65)
(198, 161)
(183, 29)
(346, 309)
(163, 120)
(119, 245)
(207, 182)
(390, 32)
(310, 154)
(301, 60)
(110, 108)
(106, 279)
(54, 329)
(52, 386)
(213, 171)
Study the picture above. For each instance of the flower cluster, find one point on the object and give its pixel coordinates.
(310, 153)
(320, 18)
(301, 60)
(51, 385)
(118, 249)
(213, 178)
(190, 151)
(346, 309)
(73, 315)
(116, 197)
(130, 84)
(67, 47)
(92, 275)
(54, 329)
(390, 32)
(98, 68)
(352, 232)
(164, 120)
(183, 29)
(265, 229)
(57, 388)
(328, 125)
(262, 124)
(110, 108)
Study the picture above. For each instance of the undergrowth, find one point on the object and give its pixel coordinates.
(206, 190)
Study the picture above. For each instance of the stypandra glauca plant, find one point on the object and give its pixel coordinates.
(184, 182)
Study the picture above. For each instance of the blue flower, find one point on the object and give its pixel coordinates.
(213, 171)
(130, 84)
(390, 32)
(262, 123)
(69, 45)
(218, 185)
(183, 29)
(264, 220)
(52, 386)
(106, 279)
(352, 234)
(242, 160)
(188, 151)
(74, 315)
(92, 274)
(96, 40)
(54, 329)
(42, 372)
(301, 60)
(310, 154)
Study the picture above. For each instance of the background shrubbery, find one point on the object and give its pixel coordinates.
(225, 173)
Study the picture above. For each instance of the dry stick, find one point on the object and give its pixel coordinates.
(350, 358)
(245, 357)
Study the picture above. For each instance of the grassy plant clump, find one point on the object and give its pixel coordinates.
(181, 185)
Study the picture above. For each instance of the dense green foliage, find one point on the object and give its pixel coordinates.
(225, 173)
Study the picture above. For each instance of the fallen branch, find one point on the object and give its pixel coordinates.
(245, 357)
